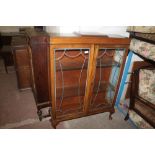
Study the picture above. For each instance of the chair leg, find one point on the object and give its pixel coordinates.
(126, 117)
(6, 69)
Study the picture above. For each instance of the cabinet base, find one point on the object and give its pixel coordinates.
(55, 122)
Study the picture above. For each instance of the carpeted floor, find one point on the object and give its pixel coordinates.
(18, 110)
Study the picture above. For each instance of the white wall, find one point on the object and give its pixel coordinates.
(52, 29)
(119, 30)
(69, 30)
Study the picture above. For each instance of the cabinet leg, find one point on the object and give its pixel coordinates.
(39, 112)
(53, 123)
(110, 115)
(126, 117)
(50, 111)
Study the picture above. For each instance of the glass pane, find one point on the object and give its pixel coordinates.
(106, 78)
(71, 71)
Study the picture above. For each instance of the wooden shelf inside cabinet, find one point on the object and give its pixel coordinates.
(74, 90)
(78, 65)
(101, 103)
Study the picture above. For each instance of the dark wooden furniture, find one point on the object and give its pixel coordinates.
(140, 105)
(85, 73)
(20, 50)
(39, 48)
(137, 103)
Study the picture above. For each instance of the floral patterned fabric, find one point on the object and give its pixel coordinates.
(142, 29)
(145, 49)
(139, 121)
(147, 85)
(149, 36)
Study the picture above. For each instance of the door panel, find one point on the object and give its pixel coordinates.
(70, 76)
(108, 62)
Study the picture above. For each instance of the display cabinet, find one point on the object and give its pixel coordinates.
(85, 73)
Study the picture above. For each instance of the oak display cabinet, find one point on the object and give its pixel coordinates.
(85, 73)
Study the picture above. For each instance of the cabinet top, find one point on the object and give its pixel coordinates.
(89, 39)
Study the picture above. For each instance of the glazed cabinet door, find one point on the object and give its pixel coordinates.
(108, 68)
(68, 74)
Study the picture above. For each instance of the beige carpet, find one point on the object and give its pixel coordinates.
(18, 110)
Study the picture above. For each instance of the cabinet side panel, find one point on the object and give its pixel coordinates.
(40, 68)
